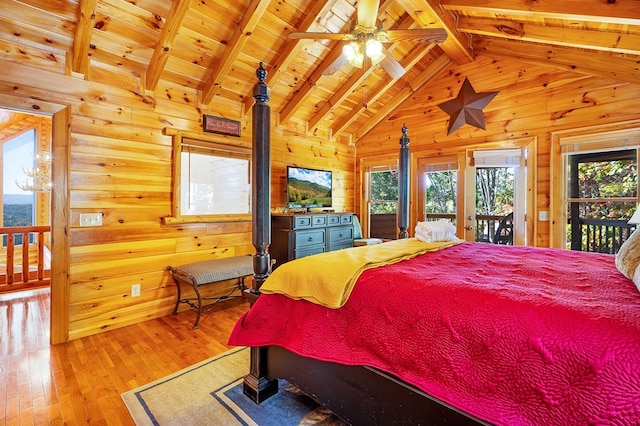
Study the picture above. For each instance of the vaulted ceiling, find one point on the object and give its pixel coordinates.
(213, 48)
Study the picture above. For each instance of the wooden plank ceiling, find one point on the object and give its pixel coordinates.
(213, 48)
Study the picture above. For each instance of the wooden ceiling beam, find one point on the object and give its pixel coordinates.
(601, 64)
(415, 56)
(309, 84)
(161, 53)
(291, 48)
(429, 14)
(439, 65)
(82, 39)
(619, 12)
(569, 37)
(245, 28)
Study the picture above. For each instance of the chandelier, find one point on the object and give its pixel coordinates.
(38, 177)
(356, 50)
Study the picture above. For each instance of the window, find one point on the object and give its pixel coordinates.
(382, 194)
(602, 196)
(595, 186)
(440, 190)
(212, 180)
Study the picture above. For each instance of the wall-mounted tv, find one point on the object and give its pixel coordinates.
(308, 187)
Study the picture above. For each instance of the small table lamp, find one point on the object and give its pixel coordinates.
(635, 219)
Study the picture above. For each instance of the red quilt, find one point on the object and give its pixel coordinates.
(512, 335)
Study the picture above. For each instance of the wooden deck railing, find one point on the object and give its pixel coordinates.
(23, 264)
(600, 235)
(486, 224)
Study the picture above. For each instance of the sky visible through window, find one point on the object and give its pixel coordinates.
(18, 155)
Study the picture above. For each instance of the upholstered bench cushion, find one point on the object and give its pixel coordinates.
(210, 271)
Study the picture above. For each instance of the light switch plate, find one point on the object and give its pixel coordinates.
(90, 219)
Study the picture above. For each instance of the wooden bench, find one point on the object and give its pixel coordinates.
(209, 272)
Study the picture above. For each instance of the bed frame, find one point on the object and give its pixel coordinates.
(357, 394)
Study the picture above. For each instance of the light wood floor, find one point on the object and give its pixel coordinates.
(80, 382)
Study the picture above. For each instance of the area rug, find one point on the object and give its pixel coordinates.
(210, 393)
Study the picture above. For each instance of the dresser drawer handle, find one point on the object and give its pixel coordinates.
(341, 234)
(310, 239)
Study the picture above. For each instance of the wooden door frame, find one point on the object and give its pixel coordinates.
(60, 218)
(604, 137)
(465, 153)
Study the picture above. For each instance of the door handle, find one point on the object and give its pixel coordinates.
(469, 228)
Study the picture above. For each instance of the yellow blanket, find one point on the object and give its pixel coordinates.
(327, 279)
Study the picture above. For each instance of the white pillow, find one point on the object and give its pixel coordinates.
(628, 258)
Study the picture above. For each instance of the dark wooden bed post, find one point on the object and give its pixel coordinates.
(256, 385)
(403, 185)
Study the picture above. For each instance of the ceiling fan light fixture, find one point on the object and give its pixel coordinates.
(373, 49)
(349, 50)
(353, 53)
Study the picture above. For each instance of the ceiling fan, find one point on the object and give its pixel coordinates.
(366, 40)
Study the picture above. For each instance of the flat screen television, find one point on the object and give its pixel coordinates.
(308, 187)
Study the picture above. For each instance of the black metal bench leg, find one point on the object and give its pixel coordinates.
(175, 310)
(195, 288)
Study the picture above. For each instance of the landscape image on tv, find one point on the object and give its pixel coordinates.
(308, 187)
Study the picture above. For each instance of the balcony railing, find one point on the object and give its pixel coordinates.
(600, 235)
(24, 258)
(485, 227)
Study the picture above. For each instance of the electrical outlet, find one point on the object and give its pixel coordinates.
(90, 219)
(135, 290)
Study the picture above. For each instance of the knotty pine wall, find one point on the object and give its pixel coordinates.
(534, 101)
(120, 166)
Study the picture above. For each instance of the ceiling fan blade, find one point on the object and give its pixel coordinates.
(367, 13)
(391, 65)
(335, 65)
(325, 36)
(417, 35)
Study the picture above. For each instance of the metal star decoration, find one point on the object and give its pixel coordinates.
(466, 108)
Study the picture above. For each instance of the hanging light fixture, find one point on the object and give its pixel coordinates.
(373, 49)
(38, 177)
(368, 45)
(353, 52)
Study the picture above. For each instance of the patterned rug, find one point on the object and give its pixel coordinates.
(210, 393)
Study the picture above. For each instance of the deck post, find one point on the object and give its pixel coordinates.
(256, 385)
(403, 185)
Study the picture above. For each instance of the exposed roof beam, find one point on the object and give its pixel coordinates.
(601, 64)
(620, 12)
(164, 46)
(245, 28)
(291, 48)
(430, 73)
(570, 37)
(309, 84)
(82, 39)
(429, 14)
(416, 54)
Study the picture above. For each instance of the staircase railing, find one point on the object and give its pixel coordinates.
(24, 261)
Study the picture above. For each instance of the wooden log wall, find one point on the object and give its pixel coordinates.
(534, 101)
(121, 167)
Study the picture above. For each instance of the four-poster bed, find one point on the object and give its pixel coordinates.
(555, 339)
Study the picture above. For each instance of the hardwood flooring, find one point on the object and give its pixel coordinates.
(80, 382)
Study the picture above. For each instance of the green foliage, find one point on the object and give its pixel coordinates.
(607, 179)
(494, 190)
(18, 215)
(384, 192)
(441, 192)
